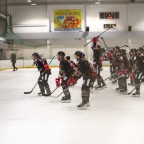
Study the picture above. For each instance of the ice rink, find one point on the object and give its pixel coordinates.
(112, 118)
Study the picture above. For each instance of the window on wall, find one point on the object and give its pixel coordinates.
(109, 15)
(109, 25)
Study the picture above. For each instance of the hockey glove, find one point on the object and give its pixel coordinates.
(71, 81)
(57, 82)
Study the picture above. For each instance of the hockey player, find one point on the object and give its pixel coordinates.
(138, 68)
(131, 75)
(89, 75)
(73, 80)
(45, 71)
(122, 70)
(112, 66)
(65, 72)
(97, 55)
(141, 51)
(72, 63)
(116, 62)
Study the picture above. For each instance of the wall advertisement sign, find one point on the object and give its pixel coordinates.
(68, 20)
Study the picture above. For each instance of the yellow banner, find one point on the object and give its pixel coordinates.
(67, 20)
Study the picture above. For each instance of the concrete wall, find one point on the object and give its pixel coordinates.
(26, 19)
(6, 64)
(69, 47)
(30, 22)
(25, 16)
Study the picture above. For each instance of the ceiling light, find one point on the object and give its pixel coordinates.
(33, 4)
(29, 1)
(97, 3)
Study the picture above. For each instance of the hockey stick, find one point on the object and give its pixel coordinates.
(60, 93)
(98, 35)
(104, 80)
(114, 80)
(51, 92)
(32, 89)
(133, 88)
(125, 46)
(131, 91)
(51, 60)
(34, 86)
(54, 90)
(104, 42)
(38, 81)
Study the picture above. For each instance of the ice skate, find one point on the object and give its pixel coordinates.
(137, 93)
(66, 99)
(97, 87)
(110, 78)
(84, 104)
(103, 87)
(130, 84)
(40, 93)
(114, 81)
(117, 89)
(123, 90)
(47, 94)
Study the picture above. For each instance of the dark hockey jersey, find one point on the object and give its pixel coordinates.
(86, 68)
(65, 69)
(42, 65)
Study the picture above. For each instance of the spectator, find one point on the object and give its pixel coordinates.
(13, 60)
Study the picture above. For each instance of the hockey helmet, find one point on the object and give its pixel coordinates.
(67, 57)
(36, 55)
(61, 53)
(79, 53)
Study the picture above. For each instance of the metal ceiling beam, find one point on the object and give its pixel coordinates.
(75, 3)
(85, 2)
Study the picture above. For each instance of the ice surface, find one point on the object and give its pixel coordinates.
(112, 118)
